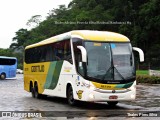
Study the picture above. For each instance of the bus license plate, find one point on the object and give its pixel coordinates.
(113, 97)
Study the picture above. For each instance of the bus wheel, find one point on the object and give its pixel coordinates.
(37, 95)
(33, 92)
(112, 103)
(70, 97)
(3, 76)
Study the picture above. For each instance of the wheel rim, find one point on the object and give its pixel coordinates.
(3, 76)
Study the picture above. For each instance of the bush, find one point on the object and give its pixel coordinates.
(148, 79)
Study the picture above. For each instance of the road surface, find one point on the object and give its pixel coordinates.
(13, 98)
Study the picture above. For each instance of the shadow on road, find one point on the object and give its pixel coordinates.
(81, 109)
(83, 105)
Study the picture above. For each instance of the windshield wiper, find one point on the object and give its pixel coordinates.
(106, 72)
(119, 73)
(112, 67)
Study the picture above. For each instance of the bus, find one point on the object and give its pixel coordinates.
(82, 65)
(8, 67)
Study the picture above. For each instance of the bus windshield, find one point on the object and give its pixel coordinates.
(109, 61)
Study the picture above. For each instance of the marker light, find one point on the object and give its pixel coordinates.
(91, 96)
(90, 86)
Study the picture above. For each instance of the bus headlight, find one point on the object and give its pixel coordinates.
(133, 96)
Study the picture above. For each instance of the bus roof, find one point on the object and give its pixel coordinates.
(8, 57)
(90, 35)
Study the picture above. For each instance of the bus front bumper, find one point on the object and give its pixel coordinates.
(96, 96)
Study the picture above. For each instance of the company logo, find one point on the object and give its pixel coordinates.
(79, 93)
(20, 114)
(113, 91)
(37, 68)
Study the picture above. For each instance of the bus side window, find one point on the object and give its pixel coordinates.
(43, 54)
(62, 51)
(57, 51)
(33, 54)
(49, 53)
(67, 51)
(38, 55)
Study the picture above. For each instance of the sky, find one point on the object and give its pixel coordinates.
(14, 14)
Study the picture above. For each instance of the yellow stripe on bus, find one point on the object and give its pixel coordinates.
(106, 86)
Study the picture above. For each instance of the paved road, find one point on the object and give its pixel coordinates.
(14, 98)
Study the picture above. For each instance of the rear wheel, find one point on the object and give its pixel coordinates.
(70, 96)
(36, 93)
(112, 103)
(32, 91)
(3, 76)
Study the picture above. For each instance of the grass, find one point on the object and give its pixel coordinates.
(142, 72)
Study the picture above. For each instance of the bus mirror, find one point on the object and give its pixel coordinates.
(83, 53)
(141, 54)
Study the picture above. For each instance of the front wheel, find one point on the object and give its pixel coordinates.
(3, 76)
(112, 103)
(70, 96)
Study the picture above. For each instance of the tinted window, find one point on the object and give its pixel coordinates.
(5, 61)
(62, 51)
(51, 52)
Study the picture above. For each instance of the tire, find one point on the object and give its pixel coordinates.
(112, 103)
(32, 92)
(36, 93)
(70, 97)
(3, 76)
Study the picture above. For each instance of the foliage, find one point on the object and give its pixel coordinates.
(143, 19)
(34, 21)
(148, 79)
(4, 52)
(139, 20)
(10, 53)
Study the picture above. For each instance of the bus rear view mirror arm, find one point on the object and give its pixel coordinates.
(83, 53)
(141, 54)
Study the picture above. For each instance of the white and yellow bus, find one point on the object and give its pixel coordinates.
(84, 65)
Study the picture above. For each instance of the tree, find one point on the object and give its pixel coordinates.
(22, 35)
(143, 27)
(34, 21)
